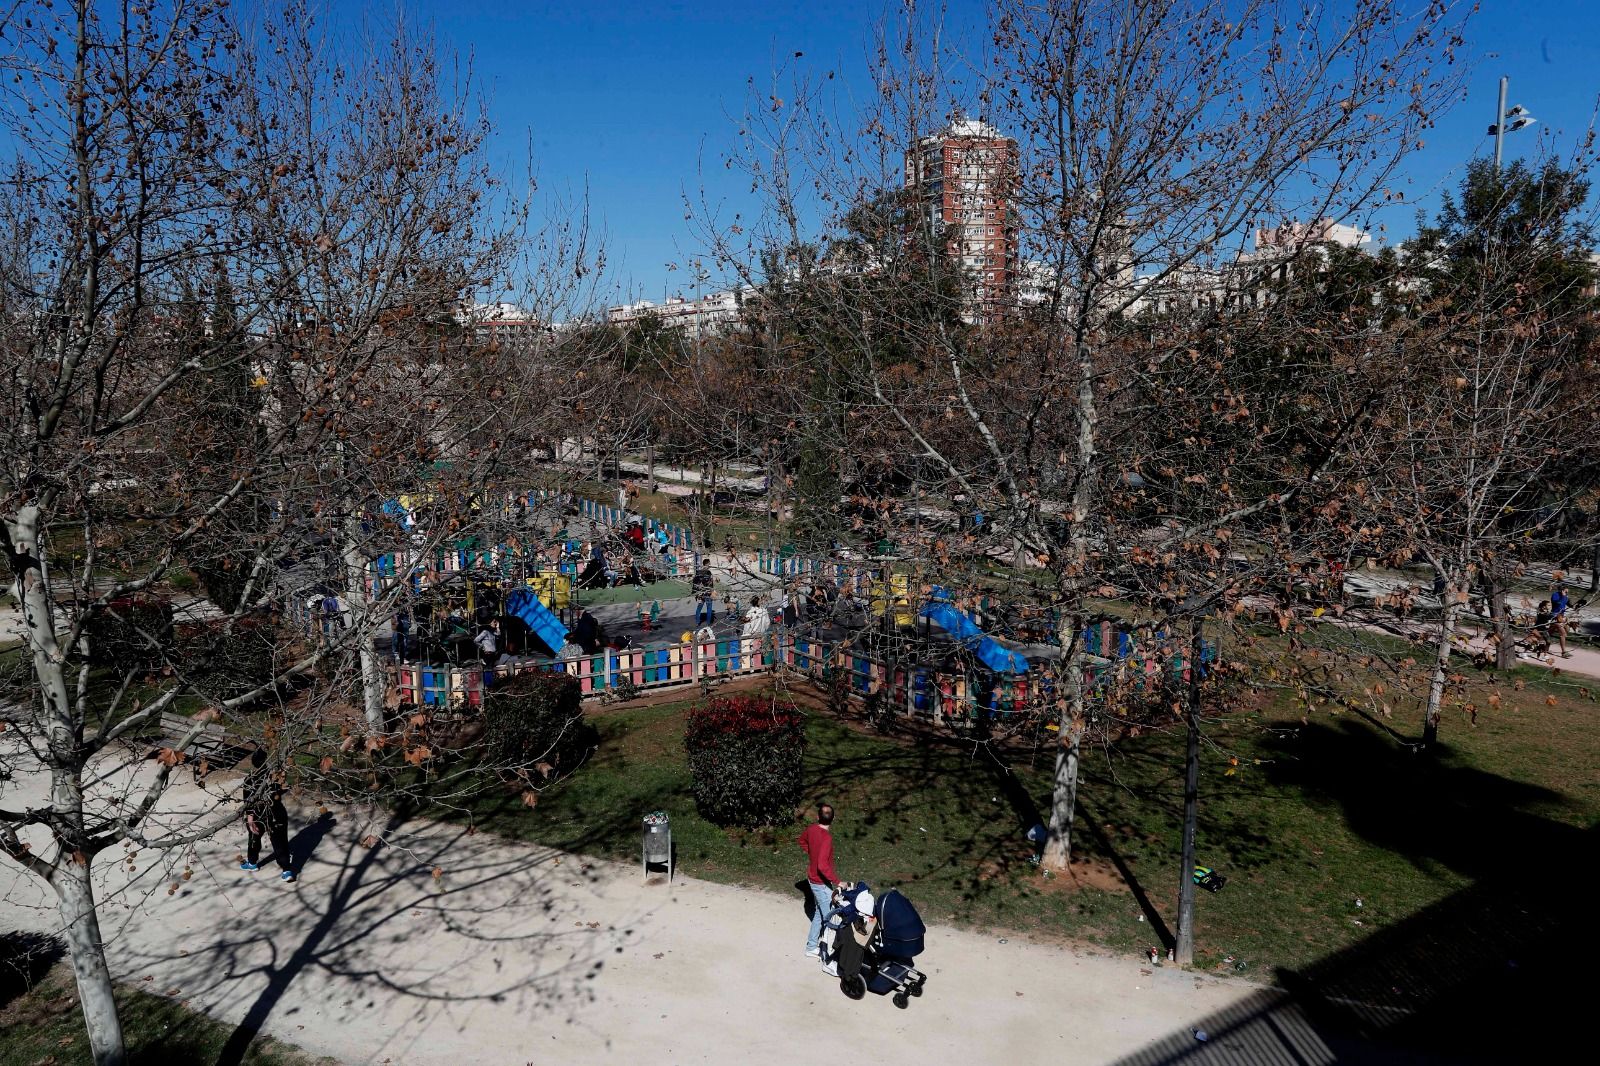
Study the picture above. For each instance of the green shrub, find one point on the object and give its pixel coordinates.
(131, 633)
(536, 720)
(745, 756)
(223, 663)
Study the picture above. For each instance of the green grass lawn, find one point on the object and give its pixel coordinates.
(1317, 813)
(42, 1025)
(660, 590)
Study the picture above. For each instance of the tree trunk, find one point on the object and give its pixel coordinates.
(1441, 668)
(82, 926)
(1064, 792)
(1505, 642)
(711, 505)
(1183, 955)
(373, 681)
(69, 877)
(650, 460)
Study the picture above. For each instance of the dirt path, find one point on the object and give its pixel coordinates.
(444, 947)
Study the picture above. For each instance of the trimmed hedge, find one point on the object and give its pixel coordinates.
(745, 756)
(536, 719)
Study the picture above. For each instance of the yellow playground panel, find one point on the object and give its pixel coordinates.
(553, 589)
(897, 590)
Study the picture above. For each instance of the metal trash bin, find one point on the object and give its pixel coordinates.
(657, 844)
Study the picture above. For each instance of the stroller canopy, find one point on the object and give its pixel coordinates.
(900, 926)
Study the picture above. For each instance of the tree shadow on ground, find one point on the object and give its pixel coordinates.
(25, 959)
(1485, 975)
(1429, 808)
(508, 933)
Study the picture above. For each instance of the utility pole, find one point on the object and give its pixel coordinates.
(1184, 953)
(1500, 124)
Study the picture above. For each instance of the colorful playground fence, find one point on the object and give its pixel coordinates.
(651, 667)
(914, 691)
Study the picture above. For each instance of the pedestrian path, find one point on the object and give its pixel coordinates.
(440, 947)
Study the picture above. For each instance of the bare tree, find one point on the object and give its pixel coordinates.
(1476, 464)
(1151, 138)
(235, 316)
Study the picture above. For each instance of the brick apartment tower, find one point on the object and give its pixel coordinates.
(965, 175)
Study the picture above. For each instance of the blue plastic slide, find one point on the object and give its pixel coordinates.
(541, 621)
(987, 650)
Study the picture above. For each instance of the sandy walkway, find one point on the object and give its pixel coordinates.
(512, 955)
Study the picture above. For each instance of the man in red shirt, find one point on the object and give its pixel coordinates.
(817, 843)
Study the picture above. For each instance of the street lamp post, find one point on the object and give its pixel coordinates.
(1507, 122)
(1499, 126)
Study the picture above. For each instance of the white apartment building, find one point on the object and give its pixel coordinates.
(1278, 251)
(704, 314)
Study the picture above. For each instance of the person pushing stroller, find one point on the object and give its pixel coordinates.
(847, 928)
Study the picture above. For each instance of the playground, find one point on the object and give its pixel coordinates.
(875, 630)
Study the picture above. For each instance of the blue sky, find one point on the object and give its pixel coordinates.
(637, 101)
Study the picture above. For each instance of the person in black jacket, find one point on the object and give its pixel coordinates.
(704, 587)
(264, 813)
(588, 632)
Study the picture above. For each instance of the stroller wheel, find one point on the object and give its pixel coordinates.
(853, 987)
(902, 1000)
(916, 989)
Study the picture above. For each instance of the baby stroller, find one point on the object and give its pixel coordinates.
(883, 966)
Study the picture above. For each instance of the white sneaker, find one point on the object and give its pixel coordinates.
(815, 953)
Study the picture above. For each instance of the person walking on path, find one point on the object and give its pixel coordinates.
(1539, 639)
(817, 843)
(264, 813)
(1559, 602)
(704, 586)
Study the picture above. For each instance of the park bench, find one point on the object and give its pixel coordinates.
(213, 737)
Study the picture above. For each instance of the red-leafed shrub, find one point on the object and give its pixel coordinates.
(745, 756)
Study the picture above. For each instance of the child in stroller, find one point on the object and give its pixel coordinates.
(868, 944)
